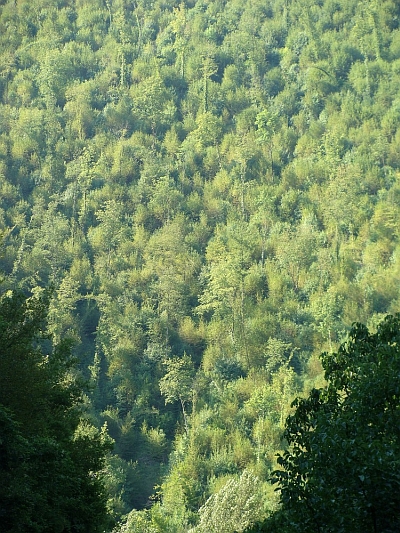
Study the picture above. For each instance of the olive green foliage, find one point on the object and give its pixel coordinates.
(205, 181)
(51, 457)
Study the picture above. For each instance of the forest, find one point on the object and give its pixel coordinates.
(197, 199)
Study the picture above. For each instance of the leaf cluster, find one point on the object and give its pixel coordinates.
(340, 472)
(51, 459)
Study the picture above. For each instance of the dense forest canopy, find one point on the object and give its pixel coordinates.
(212, 189)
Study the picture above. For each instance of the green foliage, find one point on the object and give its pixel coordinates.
(138, 522)
(236, 505)
(51, 457)
(177, 384)
(341, 470)
(215, 178)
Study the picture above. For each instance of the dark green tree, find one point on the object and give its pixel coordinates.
(51, 458)
(341, 471)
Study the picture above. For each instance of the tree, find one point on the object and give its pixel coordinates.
(236, 505)
(229, 258)
(171, 266)
(50, 456)
(341, 472)
(177, 384)
(179, 29)
(267, 122)
(153, 106)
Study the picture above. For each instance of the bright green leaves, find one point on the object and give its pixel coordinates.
(171, 267)
(28, 131)
(177, 384)
(267, 123)
(179, 28)
(142, 144)
(153, 105)
(236, 505)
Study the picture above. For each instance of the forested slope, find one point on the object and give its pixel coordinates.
(212, 188)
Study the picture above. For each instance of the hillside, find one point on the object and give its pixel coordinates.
(212, 189)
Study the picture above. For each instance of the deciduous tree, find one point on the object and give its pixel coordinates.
(341, 471)
(50, 456)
